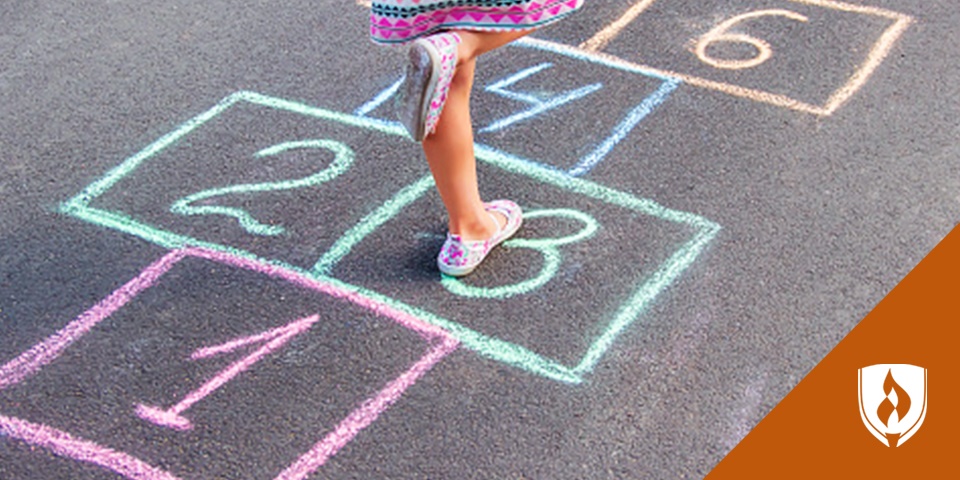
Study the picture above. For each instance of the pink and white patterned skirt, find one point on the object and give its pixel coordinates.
(401, 21)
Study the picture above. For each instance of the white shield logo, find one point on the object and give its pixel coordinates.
(893, 401)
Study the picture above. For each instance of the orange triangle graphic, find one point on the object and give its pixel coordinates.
(816, 431)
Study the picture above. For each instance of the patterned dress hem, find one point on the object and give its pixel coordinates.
(399, 29)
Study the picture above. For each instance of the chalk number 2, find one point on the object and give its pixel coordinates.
(343, 159)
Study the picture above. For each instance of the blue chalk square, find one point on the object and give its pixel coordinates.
(566, 108)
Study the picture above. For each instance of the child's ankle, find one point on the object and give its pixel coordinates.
(481, 228)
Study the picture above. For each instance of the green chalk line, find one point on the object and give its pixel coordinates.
(506, 352)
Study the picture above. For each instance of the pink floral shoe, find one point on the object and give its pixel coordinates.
(423, 94)
(459, 257)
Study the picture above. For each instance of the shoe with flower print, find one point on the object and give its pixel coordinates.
(459, 257)
(433, 61)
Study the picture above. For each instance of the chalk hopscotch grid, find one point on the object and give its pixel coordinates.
(511, 353)
(874, 57)
(64, 444)
(619, 132)
(592, 49)
(490, 347)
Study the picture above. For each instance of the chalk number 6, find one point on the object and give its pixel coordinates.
(721, 33)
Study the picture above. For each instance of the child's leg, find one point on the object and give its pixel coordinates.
(474, 44)
(449, 150)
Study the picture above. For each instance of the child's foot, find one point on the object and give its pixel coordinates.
(433, 61)
(459, 257)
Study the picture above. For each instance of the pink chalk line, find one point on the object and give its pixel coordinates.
(363, 416)
(43, 353)
(426, 330)
(64, 444)
(274, 339)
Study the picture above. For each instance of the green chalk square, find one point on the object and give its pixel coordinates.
(254, 175)
(648, 286)
(514, 354)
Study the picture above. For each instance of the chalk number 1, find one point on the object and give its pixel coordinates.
(270, 341)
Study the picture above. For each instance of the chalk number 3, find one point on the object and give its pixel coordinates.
(548, 249)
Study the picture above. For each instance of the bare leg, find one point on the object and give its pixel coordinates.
(449, 150)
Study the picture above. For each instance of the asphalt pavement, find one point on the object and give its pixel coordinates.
(217, 249)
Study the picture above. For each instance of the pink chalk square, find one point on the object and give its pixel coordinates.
(203, 408)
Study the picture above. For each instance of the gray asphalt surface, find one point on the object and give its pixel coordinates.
(819, 216)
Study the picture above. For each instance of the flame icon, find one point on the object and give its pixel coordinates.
(888, 411)
(887, 408)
